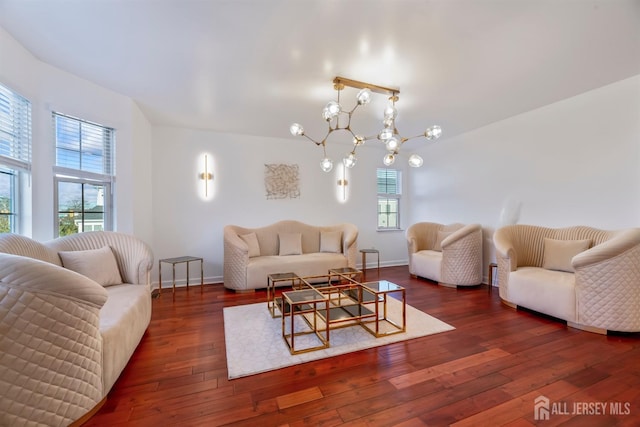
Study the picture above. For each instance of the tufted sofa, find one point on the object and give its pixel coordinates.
(251, 254)
(65, 338)
(448, 254)
(586, 276)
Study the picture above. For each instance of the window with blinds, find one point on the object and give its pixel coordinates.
(389, 191)
(15, 155)
(84, 175)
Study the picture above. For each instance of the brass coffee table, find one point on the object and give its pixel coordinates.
(304, 304)
(273, 302)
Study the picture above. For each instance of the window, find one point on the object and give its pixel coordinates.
(15, 156)
(84, 176)
(389, 191)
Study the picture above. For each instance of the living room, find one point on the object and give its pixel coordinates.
(571, 158)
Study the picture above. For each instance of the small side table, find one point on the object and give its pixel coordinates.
(179, 260)
(492, 266)
(364, 253)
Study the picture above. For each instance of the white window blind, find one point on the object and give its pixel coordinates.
(83, 146)
(15, 130)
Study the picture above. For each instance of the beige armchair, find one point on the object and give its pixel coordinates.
(448, 254)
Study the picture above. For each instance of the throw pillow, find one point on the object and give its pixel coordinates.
(330, 241)
(441, 236)
(290, 243)
(558, 253)
(252, 242)
(98, 265)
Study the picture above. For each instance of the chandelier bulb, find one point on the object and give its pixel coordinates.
(296, 129)
(389, 159)
(433, 132)
(350, 160)
(390, 113)
(364, 96)
(333, 109)
(385, 134)
(392, 144)
(415, 161)
(326, 164)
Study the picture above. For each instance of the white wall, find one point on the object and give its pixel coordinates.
(185, 224)
(51, 89)
(575, 162)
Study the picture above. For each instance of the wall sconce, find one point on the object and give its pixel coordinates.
(206, 176)
(342, 185)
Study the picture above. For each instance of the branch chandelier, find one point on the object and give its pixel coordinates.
(389, 135)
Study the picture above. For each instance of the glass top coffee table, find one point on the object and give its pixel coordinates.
(385, 323)
(310, 332)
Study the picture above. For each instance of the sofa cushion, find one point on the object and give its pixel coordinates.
(545, 291)
(252, 243)
(313, 264)
(330, 241)
(97, 264)
(290, 243)
(440, 237)
(557, 254)
(427, 264)
(123, 320)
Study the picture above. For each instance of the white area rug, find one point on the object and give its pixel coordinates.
(254, 339)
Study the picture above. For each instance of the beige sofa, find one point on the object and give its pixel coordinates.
(65, 338)
(251, 254)
(586, 276)
(448, 254)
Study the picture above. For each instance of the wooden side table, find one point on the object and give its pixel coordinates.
(179, 260)
(364, 253)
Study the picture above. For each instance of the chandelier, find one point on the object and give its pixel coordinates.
(339, 119)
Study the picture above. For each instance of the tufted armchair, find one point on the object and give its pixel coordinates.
(448, 254)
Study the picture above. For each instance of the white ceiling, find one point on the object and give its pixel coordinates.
(256, 66)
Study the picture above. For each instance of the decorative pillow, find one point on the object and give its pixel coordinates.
(558, 253)
(98, 265)
(290, 243)
(330, 241)
(252, 242)
(441, 236)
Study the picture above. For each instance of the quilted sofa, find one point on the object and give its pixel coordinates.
(448, 254)
(251, 254)
(586, 276)
(65, 338)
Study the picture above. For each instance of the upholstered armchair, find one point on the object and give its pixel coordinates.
(448, 254)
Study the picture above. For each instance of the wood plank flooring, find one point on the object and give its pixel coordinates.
(487, 372)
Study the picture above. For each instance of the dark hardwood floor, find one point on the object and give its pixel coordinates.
(487, 372)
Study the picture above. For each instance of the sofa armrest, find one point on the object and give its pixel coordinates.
(505, 250)
(236, 258)
(42, 277)
(608, 283)
(51, 364)
(462, 256)
(506, 258)
(462, 236)
(620, 244)
(350, 243)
